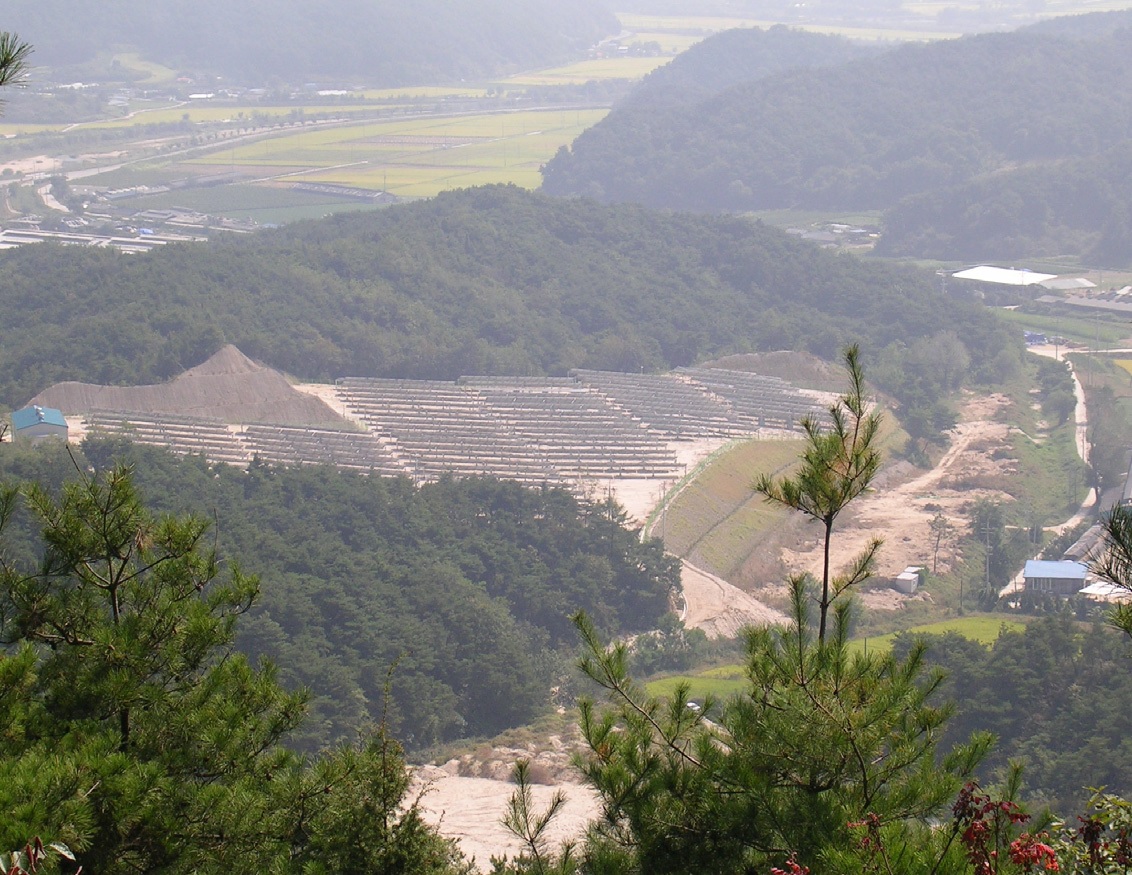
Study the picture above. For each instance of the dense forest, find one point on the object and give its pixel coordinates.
(376, 43)
(483, 281)
(1058, 698)
(730, 58)
(867, 133)
(459, 591)
(1077, 206)
(133, 738)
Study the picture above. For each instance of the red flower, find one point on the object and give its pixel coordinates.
(792, 868)
(1032, 854)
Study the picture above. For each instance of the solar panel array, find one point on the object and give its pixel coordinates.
(591, 425)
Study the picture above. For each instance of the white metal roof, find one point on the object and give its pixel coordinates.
(1066, 284)
(1061, 569)
(1003, 276)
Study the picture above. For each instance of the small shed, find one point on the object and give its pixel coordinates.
(908, 580)
(1061, 578)
(36, 423)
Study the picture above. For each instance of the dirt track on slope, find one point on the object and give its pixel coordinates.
(899, 513)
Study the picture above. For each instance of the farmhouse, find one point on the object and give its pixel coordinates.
(1057, 578)
(36, 423)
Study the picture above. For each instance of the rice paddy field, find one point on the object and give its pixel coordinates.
(598, 69)
(413, 158)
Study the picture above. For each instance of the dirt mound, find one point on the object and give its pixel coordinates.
(799, 369)
(229, 387)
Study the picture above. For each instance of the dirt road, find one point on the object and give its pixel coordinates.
(720, 609)
(900, 513)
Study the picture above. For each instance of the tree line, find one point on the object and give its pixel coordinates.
(483, 281)
(1076, 206)
(462, 588)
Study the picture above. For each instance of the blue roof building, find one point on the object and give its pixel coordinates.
(35, 423)
(1058, 578)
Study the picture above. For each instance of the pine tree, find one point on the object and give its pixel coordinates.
(838, 465)
(821, 739)
(132, 732)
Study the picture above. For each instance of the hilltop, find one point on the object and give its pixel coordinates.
(482, 281)
(865, 134)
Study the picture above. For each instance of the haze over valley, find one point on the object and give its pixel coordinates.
(412, 408)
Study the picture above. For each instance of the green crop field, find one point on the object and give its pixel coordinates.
(1084, 330)
(149, 112)
(700, 686)
(588, 71)
(984, 628)
(14, 129)
(412, 158)
(422, 92)
(727, 680)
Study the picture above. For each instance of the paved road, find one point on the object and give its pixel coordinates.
(1080, 416)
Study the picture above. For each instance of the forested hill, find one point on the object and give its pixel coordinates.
(1057, 696)
(1073, 207)
(484, 281)
(657, 110)
(866, 133)
(462, 588)
(736, 56)
(379, 42)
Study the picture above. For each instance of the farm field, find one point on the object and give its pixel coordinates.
(150, 112)
(708, 24)
(728, 680)
(1086, 331)
(598, 69)
(409, 158)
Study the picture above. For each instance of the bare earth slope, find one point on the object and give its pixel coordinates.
(229, 387)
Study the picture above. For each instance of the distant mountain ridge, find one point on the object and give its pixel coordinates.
(376, 42)
(866, 133)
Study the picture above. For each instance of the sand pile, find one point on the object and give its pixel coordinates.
(229, 387)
